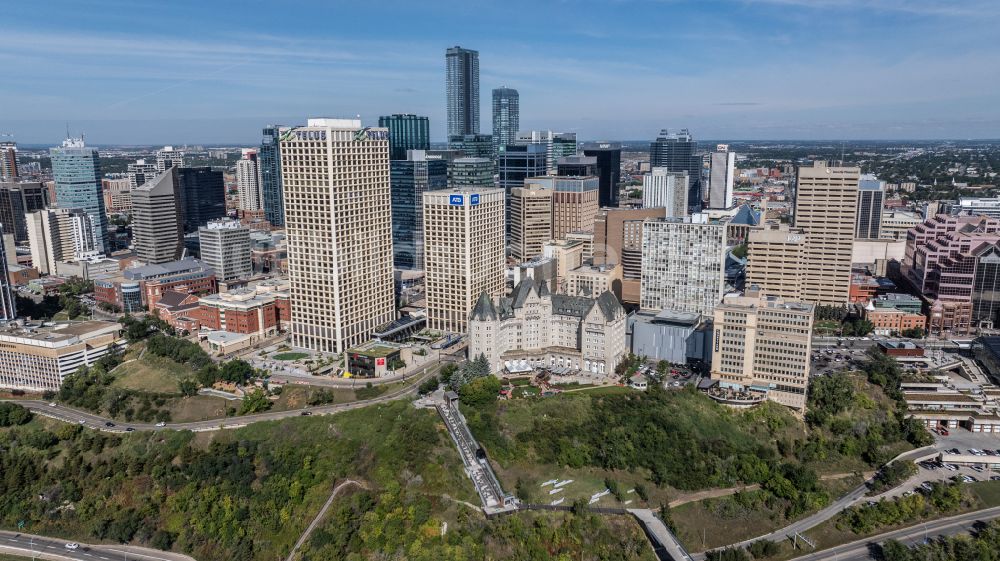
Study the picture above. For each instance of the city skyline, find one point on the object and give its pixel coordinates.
(836, 69)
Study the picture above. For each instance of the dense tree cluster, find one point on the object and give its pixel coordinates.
(943, 498)
(13, 414)
(397, 524)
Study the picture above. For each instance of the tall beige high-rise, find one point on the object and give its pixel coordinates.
(761, 345)
(826, 206)
(774, 254)
(530, 221)
(338, 223)
(158, 227)
(463, 253)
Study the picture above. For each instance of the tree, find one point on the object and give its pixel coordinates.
(480, 391)
(429, 385)
(740, 251)
(188, 387)
(13, 414)
(255, 402)
(237, 371)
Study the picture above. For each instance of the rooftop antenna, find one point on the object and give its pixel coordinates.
(67, 129)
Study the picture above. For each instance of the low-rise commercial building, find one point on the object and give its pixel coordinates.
(258, 310)
(671, 336)
(39, 358)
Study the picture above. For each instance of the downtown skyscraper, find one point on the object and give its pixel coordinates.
(269, 164)
(338, 222)
(676, 152)
(76, 170)
(406, 132)
(462, 84)
(506, 117)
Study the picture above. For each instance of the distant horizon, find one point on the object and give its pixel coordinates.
(701, 142)
(190, 71)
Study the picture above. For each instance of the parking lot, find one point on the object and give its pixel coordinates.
(831, 359)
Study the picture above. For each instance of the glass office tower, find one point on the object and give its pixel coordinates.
(506, 117)
(76, 170)
(406, 132)
(269, 160)
(409, 179)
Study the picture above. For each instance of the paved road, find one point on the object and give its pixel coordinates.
(15, 543)
(859, 550)
(91, 420)
(832, 510)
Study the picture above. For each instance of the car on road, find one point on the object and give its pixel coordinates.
(72, 545)
(161, 424)
(129, 429)
(82, 421)
(109, 424)
(305, 413)
(52, 404)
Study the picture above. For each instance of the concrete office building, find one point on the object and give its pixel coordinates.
(774, 254)
(158, 226)
(826, 205)
(76, 170)
(618, 240)
(761, 347)
(8, 160)
(18, 199)
(506, 117)
(530, 221)
(470, 173)
(269, 161)
(39, 358)
(338, 222)
(609, 166)
(248, 182)
(167, 158)
(677, 152)
(406, 132)
(117, 195)
(558, 145)
(985, 206)
(463, 253)
(462, 85)
(58, 234)
(683, 264)
(410, 178)
(592, 280)
(871, 199)
(721, 177)
(224, 246)
(203, 196)
(568, 255)
(140, 171)
(895, 224)
(666, 189)
(574, 202)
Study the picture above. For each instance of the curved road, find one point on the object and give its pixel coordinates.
(90, 420)
(23, 545)
(859, 550)
(833, 509)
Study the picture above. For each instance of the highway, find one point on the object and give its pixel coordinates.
(90, 420)
(860, 550)
(23, 545)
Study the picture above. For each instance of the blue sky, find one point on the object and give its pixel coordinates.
(211, 71)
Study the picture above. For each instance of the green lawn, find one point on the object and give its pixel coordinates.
(151, 374)
(290, 356)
